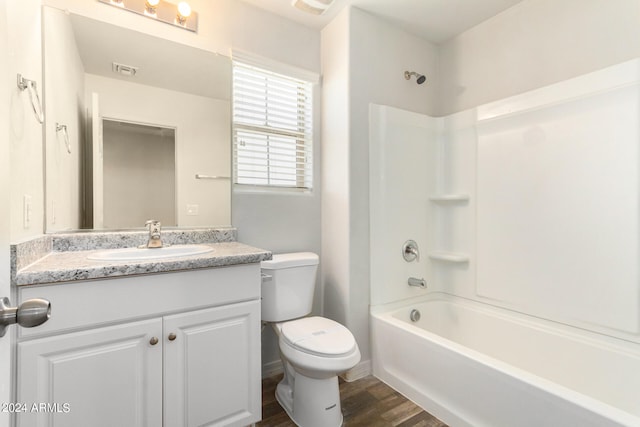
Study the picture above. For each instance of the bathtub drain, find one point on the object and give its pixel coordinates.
(414, 315)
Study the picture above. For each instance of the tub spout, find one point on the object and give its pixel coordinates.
(420, 283)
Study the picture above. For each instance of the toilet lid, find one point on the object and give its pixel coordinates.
(318, 335)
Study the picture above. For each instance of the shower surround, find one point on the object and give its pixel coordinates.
(526, 215)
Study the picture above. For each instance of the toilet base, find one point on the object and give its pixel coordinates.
(310, 402)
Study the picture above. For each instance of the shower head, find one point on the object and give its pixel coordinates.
(419, 77)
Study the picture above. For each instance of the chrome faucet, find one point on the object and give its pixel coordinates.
(155, 240)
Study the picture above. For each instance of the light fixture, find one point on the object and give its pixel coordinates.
(184, 11)
(150, 7)
(179, 15)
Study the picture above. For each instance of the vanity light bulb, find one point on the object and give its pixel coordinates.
(150, 7)
(184, 10)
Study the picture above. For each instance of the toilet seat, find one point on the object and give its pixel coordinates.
(318, 336)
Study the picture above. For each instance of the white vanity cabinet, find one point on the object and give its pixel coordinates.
(212, 366)
(107, 376)
(173, 350)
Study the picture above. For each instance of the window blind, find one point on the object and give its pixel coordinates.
(272, 128)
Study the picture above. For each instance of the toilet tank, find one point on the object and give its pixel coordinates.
(288, 282)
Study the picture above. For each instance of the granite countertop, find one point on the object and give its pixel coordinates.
(70, 266)
(50, 265)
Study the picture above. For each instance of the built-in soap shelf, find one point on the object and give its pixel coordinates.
(449, 256)
(449, 198)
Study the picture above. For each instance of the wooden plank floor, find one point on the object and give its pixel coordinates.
(367, 402)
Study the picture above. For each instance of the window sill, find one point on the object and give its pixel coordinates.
(260, 189)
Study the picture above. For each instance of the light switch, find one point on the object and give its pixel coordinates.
(27, 211)
(193, 209)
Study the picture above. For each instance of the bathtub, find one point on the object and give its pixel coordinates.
(472, 364)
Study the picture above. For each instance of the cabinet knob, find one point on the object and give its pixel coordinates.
(153, 340)
(172, 336)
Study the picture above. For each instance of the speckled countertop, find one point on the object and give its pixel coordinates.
(54, 262)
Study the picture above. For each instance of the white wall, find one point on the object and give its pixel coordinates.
(370, 68)
(5, 211)
(64, 104)
(25, 136)
(533, 44)
(335, 168)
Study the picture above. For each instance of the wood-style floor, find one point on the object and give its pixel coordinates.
(367, 402)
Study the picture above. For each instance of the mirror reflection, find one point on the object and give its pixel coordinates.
(143, 117)
(144, 155)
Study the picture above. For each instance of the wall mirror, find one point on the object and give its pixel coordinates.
(137, 127)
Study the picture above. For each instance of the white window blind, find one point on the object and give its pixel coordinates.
(272, 128)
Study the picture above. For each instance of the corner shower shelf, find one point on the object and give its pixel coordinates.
(449, 256)
(444, 198)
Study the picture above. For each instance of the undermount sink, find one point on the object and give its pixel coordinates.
(142, 254)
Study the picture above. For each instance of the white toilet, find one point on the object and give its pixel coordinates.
(314, 350)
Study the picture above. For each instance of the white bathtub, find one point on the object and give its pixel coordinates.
(471, 364)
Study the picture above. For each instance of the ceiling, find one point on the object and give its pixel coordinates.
(433, 20)
(100, 44)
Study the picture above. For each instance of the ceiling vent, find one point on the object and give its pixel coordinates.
(125, 70)
(315, 7)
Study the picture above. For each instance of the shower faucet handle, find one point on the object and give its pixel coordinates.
(410, 251)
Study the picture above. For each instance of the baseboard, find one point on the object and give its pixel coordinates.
(271, 369)
(361, 370)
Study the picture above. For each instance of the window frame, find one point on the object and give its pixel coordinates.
(300, 144)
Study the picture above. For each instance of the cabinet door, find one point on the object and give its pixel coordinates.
(212, 367)
(103, 377)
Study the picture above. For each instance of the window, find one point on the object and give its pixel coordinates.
(272, 128)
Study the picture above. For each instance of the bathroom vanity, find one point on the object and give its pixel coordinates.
(169, 342)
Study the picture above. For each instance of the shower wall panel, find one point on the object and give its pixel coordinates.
(557, 202)
(530, 203)
(403, 157)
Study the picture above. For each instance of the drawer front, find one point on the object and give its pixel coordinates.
(83, 304)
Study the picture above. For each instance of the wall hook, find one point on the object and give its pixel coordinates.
(63, 129)
(30, 86)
